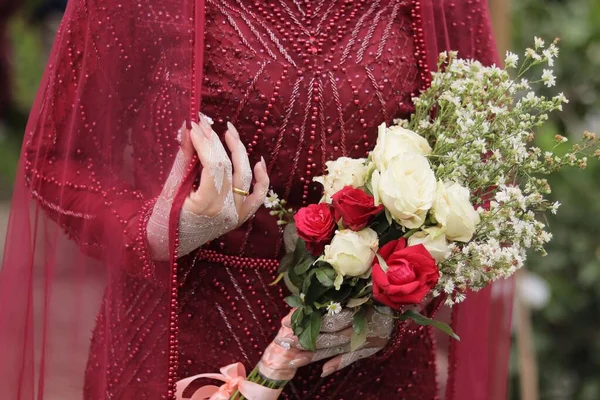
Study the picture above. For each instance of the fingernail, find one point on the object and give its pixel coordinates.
(206, 118)
(263, 162)
(327, 372)
(231, 129)
(204, 123)
(299, 362)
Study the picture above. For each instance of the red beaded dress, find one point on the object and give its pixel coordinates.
(304, 81)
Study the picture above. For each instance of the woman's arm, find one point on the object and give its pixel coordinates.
(109, 220)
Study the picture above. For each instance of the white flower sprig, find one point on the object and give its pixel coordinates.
(278, 208)
(483, 125)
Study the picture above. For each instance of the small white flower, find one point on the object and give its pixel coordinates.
(548, 57)
(554, 208)
(561, 98)
(530, 53)
(334, 308)
(511, 60)
(548, 78)
(539, 43)
(272, 200)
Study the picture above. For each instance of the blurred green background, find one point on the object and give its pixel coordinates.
(567, 328)
(566, 323)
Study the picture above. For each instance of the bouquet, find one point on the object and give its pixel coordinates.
(449, 200)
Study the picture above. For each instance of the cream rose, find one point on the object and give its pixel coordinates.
(453, 210)
(395, 140)
(434, 241)
(351, 253)
(343, 172)
(406, 189)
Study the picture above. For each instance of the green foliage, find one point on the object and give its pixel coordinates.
(567, 330)
(28, 64)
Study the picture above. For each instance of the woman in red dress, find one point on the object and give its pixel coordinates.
(98, 241)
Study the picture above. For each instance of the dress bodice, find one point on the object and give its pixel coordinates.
(304, 82)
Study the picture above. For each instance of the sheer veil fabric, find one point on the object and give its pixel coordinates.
(101, 139)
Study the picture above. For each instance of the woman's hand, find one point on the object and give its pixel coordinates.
(334, 340)
(222, 201)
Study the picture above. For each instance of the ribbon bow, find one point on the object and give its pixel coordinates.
(234, 378)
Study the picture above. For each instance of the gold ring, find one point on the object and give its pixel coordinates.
(240, 191)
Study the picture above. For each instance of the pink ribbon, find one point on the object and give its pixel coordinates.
(234, 378)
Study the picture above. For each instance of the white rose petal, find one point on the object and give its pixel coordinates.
(343, 172)
(406, 189)
(351, 253)
(395, 140)
(453, 210)
(434, 240)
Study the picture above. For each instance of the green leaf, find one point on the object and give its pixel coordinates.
(286, 263)
(290, 285)
(294, 301)
(359, 330)
(325, 278)
(367, 289)
(308, 337)
(278, 279)
(382, 263)
(339, 296)
(353, 303)
(299, 251)
(297, 318)
(314, 291)
(304, 265)
(423, 320)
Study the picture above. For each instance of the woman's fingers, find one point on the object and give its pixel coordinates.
(212, 154)
(323, 340)
(337, 322)
(343, 360)
(242, 172)
(307, 357)
(259, 192)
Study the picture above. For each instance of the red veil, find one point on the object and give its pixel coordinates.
(101, 138)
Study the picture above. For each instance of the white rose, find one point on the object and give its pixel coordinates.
(406, 189)
(352, 253)
(343, 172)
(395, 140)
(453, 210)
(434, 241)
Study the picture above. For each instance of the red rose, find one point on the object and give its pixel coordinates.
(411, 274)
(315, 225)
(354, 207)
